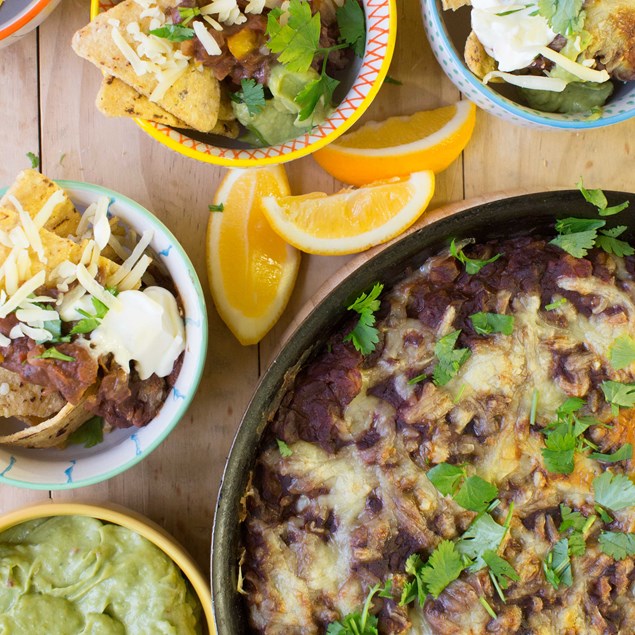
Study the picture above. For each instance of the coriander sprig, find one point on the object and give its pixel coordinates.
(472, 265)
(294, 35)
(365, 336)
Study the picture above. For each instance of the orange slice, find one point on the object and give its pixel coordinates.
(428, 140)
(251, 270)
(351, 220)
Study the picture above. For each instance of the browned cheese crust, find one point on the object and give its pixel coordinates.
(353, 501)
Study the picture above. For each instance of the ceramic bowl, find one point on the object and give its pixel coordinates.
(447, 32)
(367, 77)
(482, 220)
(130, 520)
(76, 466)
(17, 18)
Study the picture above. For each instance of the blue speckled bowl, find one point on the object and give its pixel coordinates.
(621, 105)
(76, 466)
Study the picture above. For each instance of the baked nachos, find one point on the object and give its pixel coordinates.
(271, 65)
(91, 329)
(457, 459)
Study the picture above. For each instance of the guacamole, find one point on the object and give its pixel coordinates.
(72, 575)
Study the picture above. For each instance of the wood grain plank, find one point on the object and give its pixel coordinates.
(18, 135)
(523, 157)
(177, 485)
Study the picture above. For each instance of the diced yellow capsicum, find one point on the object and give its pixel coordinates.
(242, 43)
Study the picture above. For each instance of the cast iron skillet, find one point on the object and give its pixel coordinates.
(504, 218)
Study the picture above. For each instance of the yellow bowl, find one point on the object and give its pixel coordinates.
(381, 20)
(130, 520)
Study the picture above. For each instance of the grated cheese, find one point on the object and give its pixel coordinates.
(42, 217)
(5, 240)
(18, 238)
(129, 263)
(255, 6)
(23, 264)
(30, 229)
(10, 271)
(94, 288)
(4, 341)
(35, 314)
(535, 82)
(4, 387)
(584, 73)
(22, 293)
(101, 225)
(134, 277)
(226, 10)
(206, 39)
(212, 23)
(139, 67)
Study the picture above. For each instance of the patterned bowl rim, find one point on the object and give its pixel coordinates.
(431, 10)
(132, 520)
(198, 354)
(381, 18)
(24, 19)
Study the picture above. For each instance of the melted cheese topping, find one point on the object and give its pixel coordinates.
(334, 518)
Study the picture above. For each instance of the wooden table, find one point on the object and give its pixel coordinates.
(47, 103)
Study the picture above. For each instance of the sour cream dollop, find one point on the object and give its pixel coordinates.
(514, 39)
(144, 327)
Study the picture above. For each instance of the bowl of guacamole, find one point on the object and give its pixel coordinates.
(73, 569)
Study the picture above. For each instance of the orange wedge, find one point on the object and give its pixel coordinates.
(351, 220)
(251, 269)
(428, 140)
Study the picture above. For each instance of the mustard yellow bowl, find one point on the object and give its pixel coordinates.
(365, 81)
(135, 522)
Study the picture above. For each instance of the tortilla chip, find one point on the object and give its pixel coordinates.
(194, 98)
(25, 400)
(117, 99)
(56, 249)
(33, 189)
(455, 4)
(477, 58)
(52, 432)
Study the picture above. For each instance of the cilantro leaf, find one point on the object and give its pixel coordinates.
(417, 380)
(577, 244)
(472, 265)
(483, 535)
(309, 97)
(564, 16)
(603, 514)
(569, 406)
(577, 526)
(559, 450)
(557, 565)
(618, 395)
(297, 41)
(446, 478)
(611, 245)
(352, 24)
(91, 322)
(252, 95)
(365, 336)
(284, 449)
(356, 624)
(53, 353)
(500, 571)
(622, 352)
(597, 198)
(444, 566)
(614, 491)
(572, 225)
(34, 159)
(220, 207)
(450, 359)
(618, 545)
(623, 454)
(486, 323)
(187, 14)
(391, 80)
(476, 494)
(173, 32)
(89, 434)
(556, 304)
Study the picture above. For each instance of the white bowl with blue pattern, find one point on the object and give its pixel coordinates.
(449, 53)
(76, 466)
